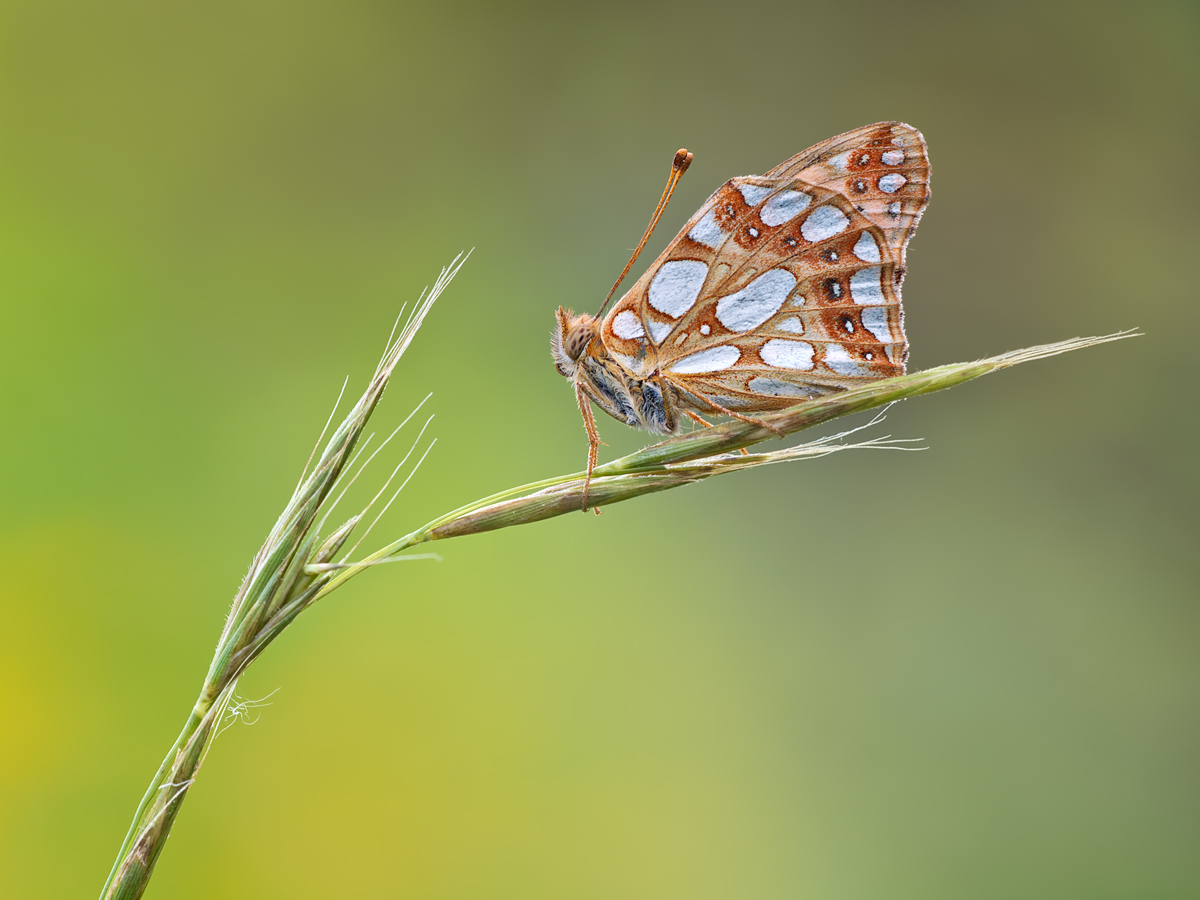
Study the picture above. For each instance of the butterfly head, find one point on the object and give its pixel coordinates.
(570, 339)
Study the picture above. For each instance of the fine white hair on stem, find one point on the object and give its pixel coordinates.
(363, 467)
(407, 479)
(367, 462)
(362, 447)
(239, 711)
(321, 437)
(244, 704)
(822, 447)
(399, 466)
(819, 447)
(826, 445)
(876, 419)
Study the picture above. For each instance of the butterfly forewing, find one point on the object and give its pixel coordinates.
(783, 286)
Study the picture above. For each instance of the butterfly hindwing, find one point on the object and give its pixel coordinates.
(882, 168)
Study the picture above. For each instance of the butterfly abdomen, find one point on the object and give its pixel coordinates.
(652, 406)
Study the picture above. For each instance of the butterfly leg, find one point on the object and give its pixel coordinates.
(589, 422)
(726, 412)
(696, 417)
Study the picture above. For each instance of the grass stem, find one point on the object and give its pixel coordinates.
(295, 566)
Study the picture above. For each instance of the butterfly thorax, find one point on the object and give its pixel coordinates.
(580, 355)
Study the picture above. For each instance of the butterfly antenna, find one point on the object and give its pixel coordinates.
(679, 165)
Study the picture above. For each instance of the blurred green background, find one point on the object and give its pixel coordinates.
(968, 672)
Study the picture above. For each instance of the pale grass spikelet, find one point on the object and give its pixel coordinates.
(276, 589)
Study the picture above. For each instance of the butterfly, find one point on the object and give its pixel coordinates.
(782, 287)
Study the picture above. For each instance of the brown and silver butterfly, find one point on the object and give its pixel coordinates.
(782, 287)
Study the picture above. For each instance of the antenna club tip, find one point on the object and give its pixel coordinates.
(683, 159)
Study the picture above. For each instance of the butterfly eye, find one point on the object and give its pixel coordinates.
(577, 339)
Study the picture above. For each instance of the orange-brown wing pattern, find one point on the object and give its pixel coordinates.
(785, 285)
(882, 168)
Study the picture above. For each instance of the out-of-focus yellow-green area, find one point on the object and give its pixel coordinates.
(968, 672)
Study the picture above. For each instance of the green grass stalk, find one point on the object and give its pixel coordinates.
(296, 567)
